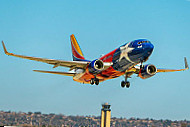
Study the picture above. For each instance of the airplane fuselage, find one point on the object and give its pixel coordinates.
(123, 58)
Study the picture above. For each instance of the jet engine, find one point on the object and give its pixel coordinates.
(147, 71)
(96, 66)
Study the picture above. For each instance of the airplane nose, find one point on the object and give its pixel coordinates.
(149, 47)
(147, 51)
(142, 53)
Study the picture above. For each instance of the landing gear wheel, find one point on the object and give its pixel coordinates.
(127, 84)
(123, 84)
(92, 81)
(96, 81)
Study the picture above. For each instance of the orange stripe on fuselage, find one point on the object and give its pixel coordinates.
(76, 45)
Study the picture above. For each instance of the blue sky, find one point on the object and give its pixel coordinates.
(42, 29)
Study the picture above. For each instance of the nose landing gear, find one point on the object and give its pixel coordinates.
(141, 66)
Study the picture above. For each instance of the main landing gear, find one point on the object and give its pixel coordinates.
(125, 83)
(94, 80)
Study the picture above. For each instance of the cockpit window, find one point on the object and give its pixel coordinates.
(131, 43)
(140, 42)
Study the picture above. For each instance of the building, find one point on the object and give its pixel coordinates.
(105, 115)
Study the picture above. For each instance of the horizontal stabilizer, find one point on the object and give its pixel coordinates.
(56, 72)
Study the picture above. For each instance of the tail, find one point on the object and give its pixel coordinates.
(76, 51)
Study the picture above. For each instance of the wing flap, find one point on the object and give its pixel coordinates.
(56, 72)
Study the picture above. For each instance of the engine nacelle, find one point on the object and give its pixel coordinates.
(96, 66)
(148, 71)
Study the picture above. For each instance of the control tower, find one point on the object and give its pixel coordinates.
(105, 115)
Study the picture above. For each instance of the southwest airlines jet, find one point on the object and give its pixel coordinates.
(126, 60)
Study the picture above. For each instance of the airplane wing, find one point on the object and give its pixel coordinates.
(56, 63)
(174, 70)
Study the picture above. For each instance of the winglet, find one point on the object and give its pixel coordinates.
(5, 50)
(186, 64)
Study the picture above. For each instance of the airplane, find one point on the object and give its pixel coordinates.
(126, 60)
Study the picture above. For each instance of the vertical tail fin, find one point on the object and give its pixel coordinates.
(76, 51)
